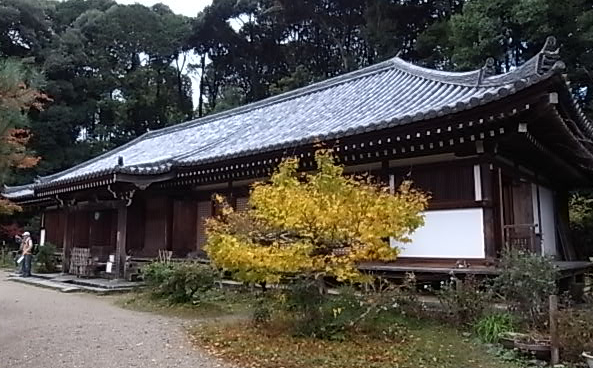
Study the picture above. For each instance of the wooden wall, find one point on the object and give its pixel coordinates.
(102, 233)
(205, 210)
(55, 227)
(184, 237)
(158, 225)
(136, 227)
(79, 228)
(449, 186)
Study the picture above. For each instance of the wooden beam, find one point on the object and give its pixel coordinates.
(97, 206)
(120, 249)
(66, 244)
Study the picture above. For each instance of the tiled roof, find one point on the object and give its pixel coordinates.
(385, 95)
(22, 191)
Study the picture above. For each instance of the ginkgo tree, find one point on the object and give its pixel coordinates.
(313, 224)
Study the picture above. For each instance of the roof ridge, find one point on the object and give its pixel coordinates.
(302, 91)
(394, 62)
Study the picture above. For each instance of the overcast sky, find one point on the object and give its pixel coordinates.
(186, 7)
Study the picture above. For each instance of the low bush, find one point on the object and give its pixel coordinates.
(179, 282)
(490, 327)
(262, 313)
(330, 317)
(156, 273)
(465, 300)
(7, 259)
(575, 327)
(401, 298)
(45, 259)
(526, 281)
(349, 312)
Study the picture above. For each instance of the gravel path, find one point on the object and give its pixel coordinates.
(41, 328)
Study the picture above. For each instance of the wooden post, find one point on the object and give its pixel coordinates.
(120, 249)
(554, 343)
(66, 245)
(458, 285)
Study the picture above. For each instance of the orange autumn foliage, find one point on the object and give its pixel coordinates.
(17, 155)
(18, 96)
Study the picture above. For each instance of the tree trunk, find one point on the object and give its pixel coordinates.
(201, 96)
(321, 285)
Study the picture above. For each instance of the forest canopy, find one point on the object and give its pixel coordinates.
(116, 71)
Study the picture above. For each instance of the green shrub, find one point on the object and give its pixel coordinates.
(262, 313)
(465, 301)
(575, 328)
(490, 327)
(334, 317)
(526, 281)
(179, 282)
(322, 316)
(155, 274)
(7, 258)
(45, 259)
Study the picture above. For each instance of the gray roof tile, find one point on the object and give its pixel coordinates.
(388, 94)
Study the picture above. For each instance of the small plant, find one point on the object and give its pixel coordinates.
(490, 327)
(402, 298)
(526, 281)
(262, 314)
(6, 258)
(575, 327)
(328, 317)
(465, 300)
(45, 260)
(179, 282)
(155, 274)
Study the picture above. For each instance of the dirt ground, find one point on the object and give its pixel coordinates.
(42, 328)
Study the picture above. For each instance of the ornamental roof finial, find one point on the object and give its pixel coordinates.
(549, 57)
(488, 70)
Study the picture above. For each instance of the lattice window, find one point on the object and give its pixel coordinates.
(242, 203)
(204, 211)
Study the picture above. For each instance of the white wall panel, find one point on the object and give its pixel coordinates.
(548, 221)
(455, 233)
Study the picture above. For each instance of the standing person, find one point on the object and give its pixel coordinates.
(27, 249)
(19, 240)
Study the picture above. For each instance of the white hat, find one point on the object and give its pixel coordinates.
(26, 233)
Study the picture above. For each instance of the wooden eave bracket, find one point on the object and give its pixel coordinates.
(143, 181)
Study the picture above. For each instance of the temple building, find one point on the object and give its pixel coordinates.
(499, 155)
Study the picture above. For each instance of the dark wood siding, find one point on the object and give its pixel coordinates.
(135, 233)
(448, 185)
(184, 235)
(54, 227)
(80, 228)
(204, 211)
(157, 229)
(102, 234)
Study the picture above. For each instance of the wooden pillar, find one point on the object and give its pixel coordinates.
(120, 249)
(384, 176)
(486, 181)
(554, 343)
(231, 198)
(66, 243)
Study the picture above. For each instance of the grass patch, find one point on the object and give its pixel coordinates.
(419, 344)
(212, 303)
